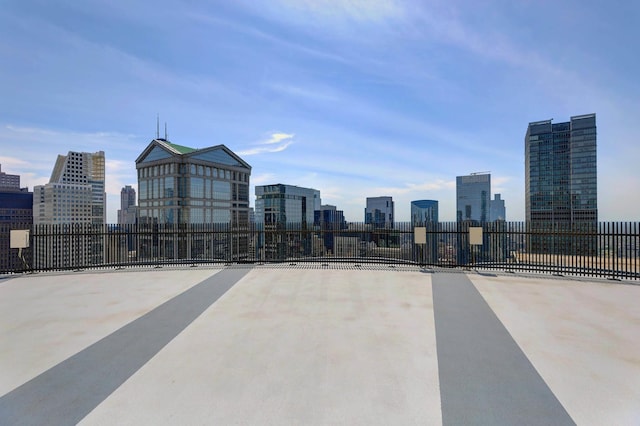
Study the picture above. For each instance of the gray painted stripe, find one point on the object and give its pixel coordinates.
(66, 393)
(485, 378)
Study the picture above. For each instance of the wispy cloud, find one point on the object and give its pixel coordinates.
(278, 137)
(277, 142)
(346, 10)
(304, 92)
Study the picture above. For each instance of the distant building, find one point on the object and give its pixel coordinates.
(127, 212)
(473, 193)
(75, 193)
(424, 211)
(329, 214)
(282, 206)
(182, 185)
(329, 219)
(16, 212)
(561, 183)
(379, 212)
(178, 185)
(286, 204)
(498, 210)
(8, 181)
(75, 200)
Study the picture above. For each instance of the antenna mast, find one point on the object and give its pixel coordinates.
(158, 127)
(165, 131)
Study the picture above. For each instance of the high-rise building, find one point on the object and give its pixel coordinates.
(379, 212)
(8, 181)
(473, 193)
(282, 206)
(561, 182)
(16, 212)
(424, 211)
(75, 198)
(182, 185)
(329, 214)
(75, 193)
(498, 210)
(127, 212)
(286, 204)
(178, 185)
(329, 219)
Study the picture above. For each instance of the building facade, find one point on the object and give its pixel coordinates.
(74, 200)
(498, 209)
(473, 193)
(75, 193)
(286, 204)
(379, 212)
(127, 212)
(280, 207)
(329, 219)
(182, 185)
(8, 181)
(178, 185)
(16, 212)
(561, 183)
(424, 211)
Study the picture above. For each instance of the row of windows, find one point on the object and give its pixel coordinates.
(188, 215)
(194, 187)
(193, 169)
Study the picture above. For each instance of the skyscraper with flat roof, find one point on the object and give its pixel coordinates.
(16, 212)
(561, 181)
(280, 207)
(473, 195)
(379, 212)
(8, 181)
(424, 211)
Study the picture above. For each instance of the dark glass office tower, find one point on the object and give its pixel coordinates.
(561, 185)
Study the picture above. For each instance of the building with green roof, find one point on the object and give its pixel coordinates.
(183, 185)
(179, 185)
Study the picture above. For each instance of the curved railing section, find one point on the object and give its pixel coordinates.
(606, 249)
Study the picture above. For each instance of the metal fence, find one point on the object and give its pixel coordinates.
(605, 249)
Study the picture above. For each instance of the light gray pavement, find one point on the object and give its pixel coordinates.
(313, 346)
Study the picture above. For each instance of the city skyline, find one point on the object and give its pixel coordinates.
(355, 98)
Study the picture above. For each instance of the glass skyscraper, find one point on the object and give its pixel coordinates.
(281, 207)
(424, 211)
(473, 196)
(379, 212)
(286, 204)
(561, 182)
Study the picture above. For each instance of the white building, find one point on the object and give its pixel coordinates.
(74, 203)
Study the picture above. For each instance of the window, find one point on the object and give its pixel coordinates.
(197, 188)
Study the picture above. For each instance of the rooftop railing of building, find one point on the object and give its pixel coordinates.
(606, 249)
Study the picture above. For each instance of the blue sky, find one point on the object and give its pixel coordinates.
(355, 98)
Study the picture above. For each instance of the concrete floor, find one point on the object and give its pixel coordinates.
(298, 346)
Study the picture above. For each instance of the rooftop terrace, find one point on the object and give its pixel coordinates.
(315, 344)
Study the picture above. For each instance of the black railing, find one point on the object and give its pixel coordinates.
(607, 249)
